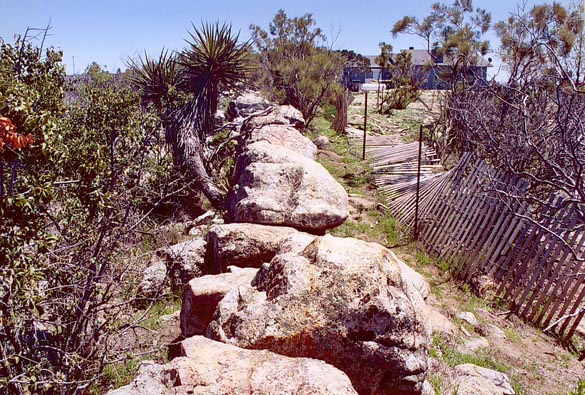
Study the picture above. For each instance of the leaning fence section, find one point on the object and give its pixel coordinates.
(472, 217)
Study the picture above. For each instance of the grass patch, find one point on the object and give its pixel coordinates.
(160, 308)
(513, 336)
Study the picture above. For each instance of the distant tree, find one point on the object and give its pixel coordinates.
(298, 69)
(454, 31)
(384, 60)
(405, 83)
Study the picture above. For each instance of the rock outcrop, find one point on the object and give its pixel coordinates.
(208, 367)
(250, 245)
(343, 301)
(277, 186)
(202, 294)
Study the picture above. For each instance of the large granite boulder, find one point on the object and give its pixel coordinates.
(250, 245)
(202, 294)
(209, 367)
(285, 136)
(247, 104)
(280, 115)
(277, 186)
(341, 300)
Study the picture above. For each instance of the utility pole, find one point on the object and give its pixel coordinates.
(73, 65)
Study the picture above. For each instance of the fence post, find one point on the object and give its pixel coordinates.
(420, 136)
(365, 124)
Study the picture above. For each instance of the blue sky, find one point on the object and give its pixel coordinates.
(109, 31)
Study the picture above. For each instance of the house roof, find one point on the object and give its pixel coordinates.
(421, 57)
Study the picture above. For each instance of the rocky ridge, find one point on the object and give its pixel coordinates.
(284, 310)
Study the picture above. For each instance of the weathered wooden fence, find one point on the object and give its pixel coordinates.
(395, 163)
(473, 218)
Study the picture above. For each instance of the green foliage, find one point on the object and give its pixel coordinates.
(185, 92)
(406, 83)
(536, 42)
(579, 389)
(159, 79)
(212, 63)
(68, 208)
(31, 94)
(298, 70)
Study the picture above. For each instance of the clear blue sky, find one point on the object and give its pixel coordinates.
(109, 31)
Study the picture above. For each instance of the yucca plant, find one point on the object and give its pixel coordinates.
(158, 79)
(185, 88)
(212, 63)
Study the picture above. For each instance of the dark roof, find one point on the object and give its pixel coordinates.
(421, 57)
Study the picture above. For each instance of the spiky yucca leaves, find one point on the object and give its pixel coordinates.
(213, 62)
(158, 79)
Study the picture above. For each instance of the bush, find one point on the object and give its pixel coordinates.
(297, 69)
(69, 206)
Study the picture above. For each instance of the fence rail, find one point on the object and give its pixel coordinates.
(473, 218)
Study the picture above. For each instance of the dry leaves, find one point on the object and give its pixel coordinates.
(8, 135)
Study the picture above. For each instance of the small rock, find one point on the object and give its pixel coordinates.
(495, 332)
(170, 318)
(198, 231)
(465, 331)
(219, 117)
(440, 323)
(499, 379)
(153, 279)
(470, 385)
(204, 218)
(468, 317)
(472, 345)
(483, 285)
(185, 260)
(322, 142)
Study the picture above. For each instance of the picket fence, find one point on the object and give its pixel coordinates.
(473, 219)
